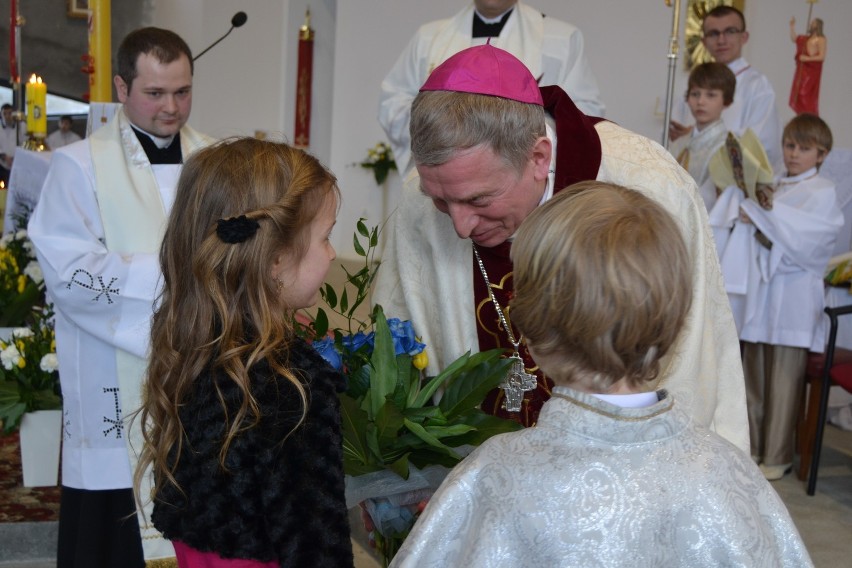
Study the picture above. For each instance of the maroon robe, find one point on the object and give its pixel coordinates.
(578, 158)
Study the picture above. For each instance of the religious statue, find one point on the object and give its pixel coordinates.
(810, 53)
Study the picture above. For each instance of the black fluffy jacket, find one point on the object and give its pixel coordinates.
(279, 499)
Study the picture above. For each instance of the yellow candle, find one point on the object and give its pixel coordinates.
(100, 82)
(36, 106)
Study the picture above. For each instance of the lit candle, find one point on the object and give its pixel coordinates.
(36, 107)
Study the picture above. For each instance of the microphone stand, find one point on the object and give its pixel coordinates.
(238, 20)
(672, 57)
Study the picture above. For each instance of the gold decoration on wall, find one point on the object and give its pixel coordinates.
(696, 53)
(78, 9)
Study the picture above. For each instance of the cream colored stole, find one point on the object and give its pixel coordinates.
(522, 36)
(134, 220)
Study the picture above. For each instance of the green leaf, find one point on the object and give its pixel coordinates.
(400, 467)
(434, 383)
(330, 296)
(431, 413)
(359, 250)
(374, 237)
(353, 422)
(362, 227)
(485, 426)
(389, 420)
(356, 468)
(359, 381)
(45, 399)
(442, 432)
(429, 438)
(400, 392)
(373, 443)
(383, 362)
(12, 407)
(321, 323)
(344, 300)
(480, 374)
(15, 313)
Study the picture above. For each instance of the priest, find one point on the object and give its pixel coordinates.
(489, 146)
(97, 230)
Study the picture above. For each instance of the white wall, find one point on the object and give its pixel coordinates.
(247, 82)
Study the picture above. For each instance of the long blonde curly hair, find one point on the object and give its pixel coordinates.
(219, 308)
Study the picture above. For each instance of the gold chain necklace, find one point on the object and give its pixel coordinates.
(517, 381)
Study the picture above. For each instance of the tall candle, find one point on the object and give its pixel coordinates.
(100, 50)
(36, 107)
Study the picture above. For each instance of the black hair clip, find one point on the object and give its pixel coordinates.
(236, 229)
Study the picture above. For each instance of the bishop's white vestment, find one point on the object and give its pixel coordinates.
(427, 275)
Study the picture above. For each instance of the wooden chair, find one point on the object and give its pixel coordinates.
(824, 370)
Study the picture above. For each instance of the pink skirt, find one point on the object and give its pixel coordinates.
(188, 557)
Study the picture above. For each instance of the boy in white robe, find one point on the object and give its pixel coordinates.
(602, 290)
(711, 90)
(779, 314)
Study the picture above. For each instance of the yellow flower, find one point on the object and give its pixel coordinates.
(22, 283)
(421, 360)
(22, 362)
(53, 346)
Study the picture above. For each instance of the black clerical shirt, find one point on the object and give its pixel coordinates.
(481, 29)
(171, 154)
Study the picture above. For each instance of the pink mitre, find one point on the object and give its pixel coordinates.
(485, 70)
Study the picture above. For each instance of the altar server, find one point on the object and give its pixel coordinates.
(774, 262)
(97, 229)
(615, 473)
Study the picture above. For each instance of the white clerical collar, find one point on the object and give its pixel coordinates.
(158, 141)
(738, 65)
(635, 400)
(495, 20)
(801, 177)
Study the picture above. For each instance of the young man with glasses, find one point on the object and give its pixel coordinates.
(724, 35)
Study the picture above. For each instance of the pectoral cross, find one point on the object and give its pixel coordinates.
(516, 383)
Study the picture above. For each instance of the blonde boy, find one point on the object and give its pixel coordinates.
(602, 289)
(780, 313)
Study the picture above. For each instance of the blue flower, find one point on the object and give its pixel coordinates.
(325, 347)
(353, 343)
(404, 340)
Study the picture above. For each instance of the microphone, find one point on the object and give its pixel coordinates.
(238, 20)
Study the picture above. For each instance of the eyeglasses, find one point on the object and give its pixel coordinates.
(727, 32)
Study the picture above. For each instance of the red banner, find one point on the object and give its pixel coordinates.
(304, 79)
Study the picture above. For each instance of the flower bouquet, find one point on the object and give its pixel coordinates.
(29, 377)
(397, 442)
(380, 160)
(21, 280)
